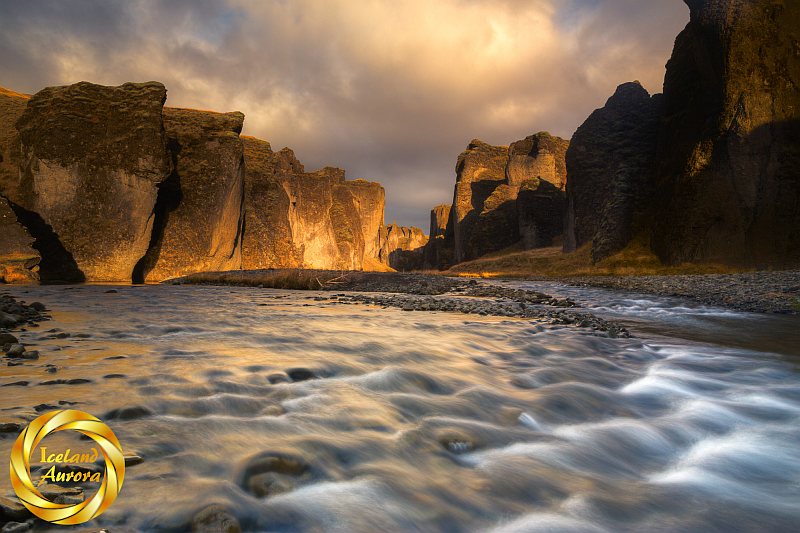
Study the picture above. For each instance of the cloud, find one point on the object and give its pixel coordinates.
(391, 91)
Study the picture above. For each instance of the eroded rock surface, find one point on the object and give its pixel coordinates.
(18, 259)
(402, 248)
(610, 162)
(729, 151)
(91, 160)
(306, 219)
(438, 252)
(199, 215)
(486, 215)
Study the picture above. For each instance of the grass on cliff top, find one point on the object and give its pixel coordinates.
(295, 279)
(634, 260)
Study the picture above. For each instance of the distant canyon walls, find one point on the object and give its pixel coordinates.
(503, 196)
(106, 184)
(310, 219)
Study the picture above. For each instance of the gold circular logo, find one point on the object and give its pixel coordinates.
(29, 495)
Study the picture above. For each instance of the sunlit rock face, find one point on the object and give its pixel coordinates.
(304, 219)
(90, 164)
(18, 259)
(199, 213)
(268, 241)
(729, 151)
(609, 162)
(402, 248)
(12, 105)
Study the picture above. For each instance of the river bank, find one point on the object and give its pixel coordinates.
(757, 292)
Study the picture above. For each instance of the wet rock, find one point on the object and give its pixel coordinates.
(215, 519)
(112, 291)
(7, 338)
(284, 470)
(63, 495)
(128, 413)
(8, 320)
(300, 374)
(44, 407)
(270, 484)
(12, 509)
(458, 446)
(39, 306)
(16, 350)
(17, 384)
(32, 354)
(16, 527)
(10, 427)
(133, 460)
(278, 377)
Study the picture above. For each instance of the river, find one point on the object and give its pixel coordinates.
(424, 421)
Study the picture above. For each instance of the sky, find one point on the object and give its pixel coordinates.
(392, 91)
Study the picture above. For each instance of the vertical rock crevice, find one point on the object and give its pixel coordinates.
(57, 265)
(168, 198)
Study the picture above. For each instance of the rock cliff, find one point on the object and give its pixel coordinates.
(198, 216)
(486, 215)
(480, 169)
(90, 164)
(438, 253)
(308, 219)
(18, 259)
(402, 248)
(609, 161)
(729, 149)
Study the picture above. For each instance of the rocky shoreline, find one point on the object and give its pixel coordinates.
(755, 292)
(426, 292)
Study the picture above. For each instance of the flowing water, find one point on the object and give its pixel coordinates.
(423, 421)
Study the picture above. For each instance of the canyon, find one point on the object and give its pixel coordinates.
(107, 184)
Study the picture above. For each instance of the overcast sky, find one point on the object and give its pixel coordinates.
(392, 90)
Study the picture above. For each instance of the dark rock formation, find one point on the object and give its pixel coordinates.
(486, 215)
(480, 169)
(402, 248)
(307, 219)
(729, 151)
(199, 212)
(438, 252)
(609, 162)
(91, 160)
(540, 211)
(18, 260)
(536, 165)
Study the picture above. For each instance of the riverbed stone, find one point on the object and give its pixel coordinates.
(215, 519)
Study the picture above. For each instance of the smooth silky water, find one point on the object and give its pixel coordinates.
(423, 421)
